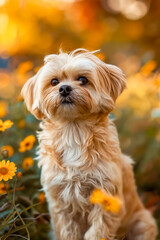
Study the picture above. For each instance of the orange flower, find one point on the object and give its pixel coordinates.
(2, 128)
(27, 163)
(110, 203)
(7, 170)
(7, 151)
(148, 67)
(27, 143)
(3, 110)
(41, 197)
(5, 125)
(3, 188)
(19, 175)
(21, 123)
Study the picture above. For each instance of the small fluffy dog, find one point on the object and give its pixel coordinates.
(79, 149)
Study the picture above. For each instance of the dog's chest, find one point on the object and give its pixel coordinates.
(72, 154)
(74, 146)
(79, 158)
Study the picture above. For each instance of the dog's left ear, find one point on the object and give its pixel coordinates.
(116, 81)
(112, 82)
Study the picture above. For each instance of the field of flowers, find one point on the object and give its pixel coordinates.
(31, 29)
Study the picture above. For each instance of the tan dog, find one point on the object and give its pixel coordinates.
(79, 149)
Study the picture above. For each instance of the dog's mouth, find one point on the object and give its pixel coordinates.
(67, 101)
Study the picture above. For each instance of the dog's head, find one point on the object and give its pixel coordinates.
(74, 85)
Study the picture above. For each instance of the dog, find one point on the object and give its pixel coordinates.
(79, 151)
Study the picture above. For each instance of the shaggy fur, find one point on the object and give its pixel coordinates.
(79, 150)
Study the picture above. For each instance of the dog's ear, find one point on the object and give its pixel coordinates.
(117, 81)
(29, 94)
(112, 82)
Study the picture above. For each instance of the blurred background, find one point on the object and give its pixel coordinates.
(128, 34)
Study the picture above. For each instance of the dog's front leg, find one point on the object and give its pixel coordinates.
(102, 224)
(64, 226)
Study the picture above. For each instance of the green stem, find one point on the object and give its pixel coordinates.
(28, 235)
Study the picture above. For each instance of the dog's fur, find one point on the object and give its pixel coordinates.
(79, 150)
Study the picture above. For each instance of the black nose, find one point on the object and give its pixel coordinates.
(65, 90)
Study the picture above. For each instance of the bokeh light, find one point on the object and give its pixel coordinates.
(131, 9)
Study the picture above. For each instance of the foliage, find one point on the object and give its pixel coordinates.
(23, 210)
(30, 29)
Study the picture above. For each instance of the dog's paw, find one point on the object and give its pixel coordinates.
(92, 234)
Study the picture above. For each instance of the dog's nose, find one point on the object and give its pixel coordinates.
(65, 90)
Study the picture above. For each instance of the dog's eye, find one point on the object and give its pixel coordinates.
(83, 80)
(54, 81)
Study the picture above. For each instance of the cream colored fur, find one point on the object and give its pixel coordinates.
(79, 150)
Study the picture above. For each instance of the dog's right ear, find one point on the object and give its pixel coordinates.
(29, 94)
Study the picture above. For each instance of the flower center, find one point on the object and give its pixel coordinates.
(27, 144)
(106, 202)
(3, 170)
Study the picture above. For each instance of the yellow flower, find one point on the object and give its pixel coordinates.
(5, 125)
(41, 197)
(19, 175)
(7, 170)
(27, 143)
(3, 188)
(8, 124)
(7, 151)
(27, 163)
(110, 203)
(2, 128)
